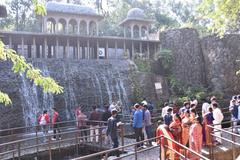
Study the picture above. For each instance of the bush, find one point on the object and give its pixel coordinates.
(143, 65)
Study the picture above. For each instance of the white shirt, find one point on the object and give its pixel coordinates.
(217, 115)
(205, 107)
(111, 107)
(164, 111)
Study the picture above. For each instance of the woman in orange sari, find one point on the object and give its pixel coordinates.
(176, 128)
(186, 123)
(193, 114)
(163, 130)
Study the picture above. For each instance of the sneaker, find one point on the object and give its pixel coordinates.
(53, 139)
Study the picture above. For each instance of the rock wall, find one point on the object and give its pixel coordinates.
(85, 82)
(221, 64)
(210, 61)
(188, 65)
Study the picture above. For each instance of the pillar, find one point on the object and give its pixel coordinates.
(57, 49)
(154, 48)
(140, 31)
(10, 41)
(147, 32)
(88, 28)
(106, 52)
(97, 49)
(34, 48)
(97, 28)
(131, 31)
(67, 26)
(115, 44)
(44, 50)
(133, 54)
(88, 53)
(78, 49)
(124, 31)
(140, 47)
(78, 28)
(22, 46)
(148, 50)
(67, 52)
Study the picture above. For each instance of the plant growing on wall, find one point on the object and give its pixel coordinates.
(166, 57)
(143, 65)
(21, 66)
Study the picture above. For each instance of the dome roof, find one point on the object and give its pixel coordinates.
(70, 8)
(135, 13)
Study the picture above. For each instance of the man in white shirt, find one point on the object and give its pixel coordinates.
(164, 109)
(218, 117)
(205, 106)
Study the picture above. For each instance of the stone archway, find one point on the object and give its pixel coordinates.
(72, 26)
(92, 28)
(128, 31)
(51, 24)
(136, 31)
(83, 28)
(62, 25)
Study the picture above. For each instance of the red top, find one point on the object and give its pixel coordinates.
(46, 117)
(55, 117)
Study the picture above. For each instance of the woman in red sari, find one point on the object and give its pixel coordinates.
(186, 123)
(176, 129)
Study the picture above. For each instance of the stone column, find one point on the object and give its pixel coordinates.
(67, 26)
(115, 44)
(57, 49)
(44, 50)
(34, 48)
(78, 49)
(44, 24)
(154, 48)
(97, 28)
(97, 49)
(106, 52)
(140, 47)
(78, 27)
(132, 31)
(147, 32)
(124, 31)
(88, 53)
(10, 41)
(67, 52)
(133, 54)
(88, 28)
(140, 31)
(148, 50)
(22, 45)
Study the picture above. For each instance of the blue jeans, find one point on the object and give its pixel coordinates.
(149, 133)
(115, 145)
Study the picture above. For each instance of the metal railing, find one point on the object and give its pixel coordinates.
(72, 137)
(231, 134)
(161, 146)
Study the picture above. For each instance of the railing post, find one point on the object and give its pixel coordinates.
(19, 151)
(76, 138)
(37, 140)
(49, 148)
(233, 146)
(100, 136)
(122, 137)
(135, 151)
(160, 149)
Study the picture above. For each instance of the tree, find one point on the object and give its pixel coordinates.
(223, 15)
(21, 66)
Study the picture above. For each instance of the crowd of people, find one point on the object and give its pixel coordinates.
(182, 124)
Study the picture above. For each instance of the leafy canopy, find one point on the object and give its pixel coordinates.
(21, 66)
(223, 15)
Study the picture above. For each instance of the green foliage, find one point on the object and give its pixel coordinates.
(39, 8)
(223, 15)
(4, 98)
(136, 90)
(143, 65)
(166, 58)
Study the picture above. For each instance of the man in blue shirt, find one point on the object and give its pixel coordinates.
(137, 123)
(168, 117)
(233, 108)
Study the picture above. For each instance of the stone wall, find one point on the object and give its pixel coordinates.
(85, 82)
(188, 65)
(210, 61)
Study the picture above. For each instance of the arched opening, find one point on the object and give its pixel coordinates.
(92, 28)
(135, 31)
(128, 32)
(62, 26)
(51, 23)
(72, 26)
(83, 28)
(144, 32)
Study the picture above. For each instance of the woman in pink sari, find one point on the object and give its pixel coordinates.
(195, 139)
